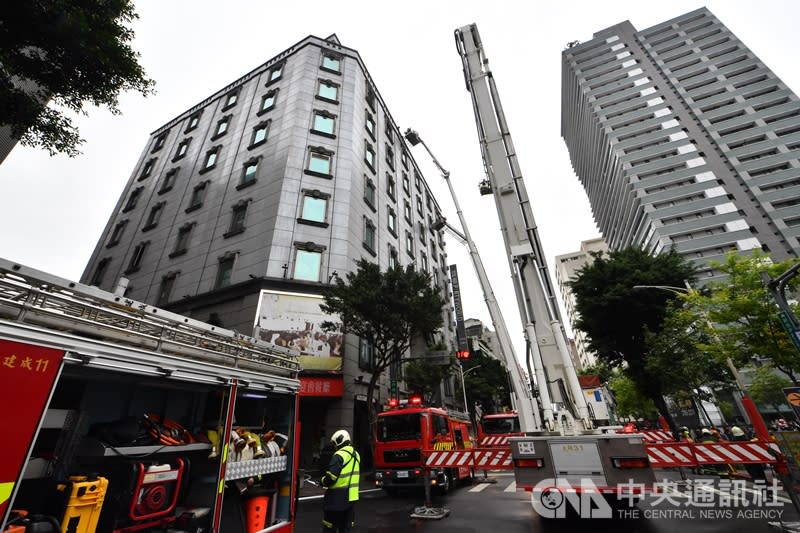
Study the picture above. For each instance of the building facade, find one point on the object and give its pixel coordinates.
(242, 209)
(567, 265)
(683, 137)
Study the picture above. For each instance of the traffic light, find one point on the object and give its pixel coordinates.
(462, 354)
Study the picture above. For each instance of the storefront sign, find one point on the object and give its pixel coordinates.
(324, 387)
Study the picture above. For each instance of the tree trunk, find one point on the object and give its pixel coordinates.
(372, 415)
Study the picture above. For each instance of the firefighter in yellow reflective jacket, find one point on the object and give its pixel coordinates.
(341, 482)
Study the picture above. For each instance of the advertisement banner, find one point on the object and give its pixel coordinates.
(27, 374)
(294, 321)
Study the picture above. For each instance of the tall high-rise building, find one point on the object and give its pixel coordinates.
(682, 137)
(243, 208)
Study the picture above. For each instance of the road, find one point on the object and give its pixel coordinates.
(704, 508)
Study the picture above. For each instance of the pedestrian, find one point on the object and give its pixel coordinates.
(341, 483)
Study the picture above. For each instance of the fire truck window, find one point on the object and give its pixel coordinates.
(459, 438)
(399, 427)
(495, 426)
(439, 424)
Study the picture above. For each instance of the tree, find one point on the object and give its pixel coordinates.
(68, 52)
(423, 377)
(767, 387)
(629, 401)
(387, 310)
(616, 317)
(742, 316)
(486, 381)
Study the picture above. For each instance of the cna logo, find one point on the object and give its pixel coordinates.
(552, 498)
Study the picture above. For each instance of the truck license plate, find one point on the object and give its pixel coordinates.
(402, 473)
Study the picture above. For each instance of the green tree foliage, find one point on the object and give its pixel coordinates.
(630, 403)
(76, 52)
(601, 369)
(767, 387)
(743, 316)
(616, 317)
(424, 378)
(388, 310)
(486, 381)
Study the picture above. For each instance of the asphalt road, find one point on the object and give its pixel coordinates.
(703, 508)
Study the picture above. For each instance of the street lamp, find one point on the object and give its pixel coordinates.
(463, 386)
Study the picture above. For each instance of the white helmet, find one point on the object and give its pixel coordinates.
(340, 438)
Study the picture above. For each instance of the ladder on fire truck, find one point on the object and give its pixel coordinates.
(98, 328)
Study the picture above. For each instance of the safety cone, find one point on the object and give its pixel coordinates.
(256, 513)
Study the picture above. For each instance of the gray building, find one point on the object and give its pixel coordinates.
(242, 209)
(682, 137)
(567, 265)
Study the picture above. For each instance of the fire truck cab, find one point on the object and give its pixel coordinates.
(407, 428)
(494, 429)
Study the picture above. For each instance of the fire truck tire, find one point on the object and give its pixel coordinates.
(445, 482)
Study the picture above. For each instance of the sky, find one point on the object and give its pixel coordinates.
(54, 209)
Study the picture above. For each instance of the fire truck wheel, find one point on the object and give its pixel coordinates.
(445, 482)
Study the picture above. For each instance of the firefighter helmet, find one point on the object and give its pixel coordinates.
(340, 438)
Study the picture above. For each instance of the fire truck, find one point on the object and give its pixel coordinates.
(121, 417)
(495, 429)
(404, 431)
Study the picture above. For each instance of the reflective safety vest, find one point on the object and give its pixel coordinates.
(349, 476)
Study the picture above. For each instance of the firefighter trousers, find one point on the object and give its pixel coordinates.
(338, 521)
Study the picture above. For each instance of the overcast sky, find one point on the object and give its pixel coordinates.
(53, 209)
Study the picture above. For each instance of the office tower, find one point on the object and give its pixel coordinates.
(682, 137)
(567, 266)
(242, 209)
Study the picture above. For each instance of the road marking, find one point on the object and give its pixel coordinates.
(512, 487)
(480, 487)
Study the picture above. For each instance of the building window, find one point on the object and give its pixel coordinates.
(366, 355)
(183, 147)
(231, 99)
(133, 199)
(222, 127)
(198, 194)
(167, 285)
(169, 181)
(194, 120)
(390, 156)
(324, 123)
(391, 186)
(393, 258)
(320, 162)
(314, 208)
(211, 159)
(391, 221)
(260, 133)
(421, 227)
(369, 236)
(370, 125)
(307, 261)
(409, 244)
(136, 259)
(371, 98)
(238, 214)
(160, 141)
(389, 131)
(419, 206)
(369, 156)
(331, 63)
(327, 90)
(417, 181)
(153, 218)
(147, 169)
(249, 173)
(116, 235)
(100, 271)
(406, 183)
(404, 159)
(275, 73)
(407, 211)
(225, 270)
(182, 240)
(369, 192)
(268, 101)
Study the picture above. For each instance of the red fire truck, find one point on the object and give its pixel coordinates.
(119, 417)
(494, 429)
(407, 428)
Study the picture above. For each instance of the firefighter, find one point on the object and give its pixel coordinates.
(341, 483)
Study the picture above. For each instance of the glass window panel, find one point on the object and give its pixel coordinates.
(314, 208)
(307, 265)
(328, 91)
(323, 124)
(260, 135)
(330, 63)
(320, 163)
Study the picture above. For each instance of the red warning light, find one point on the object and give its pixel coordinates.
(464, 354)
(393, 402)
(415, 400)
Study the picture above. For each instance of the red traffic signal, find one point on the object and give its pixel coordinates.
(462, 354)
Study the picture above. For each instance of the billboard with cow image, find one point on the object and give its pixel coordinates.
(294, 321)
